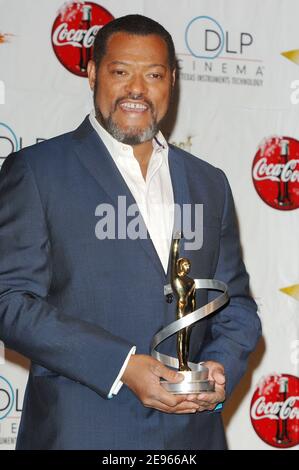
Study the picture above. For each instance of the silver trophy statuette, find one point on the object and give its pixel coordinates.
(184, 289)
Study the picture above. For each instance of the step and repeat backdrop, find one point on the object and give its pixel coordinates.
(237, 108)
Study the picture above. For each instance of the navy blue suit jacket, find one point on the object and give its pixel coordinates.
(75, 305)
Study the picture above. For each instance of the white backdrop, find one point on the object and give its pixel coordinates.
(227, 106)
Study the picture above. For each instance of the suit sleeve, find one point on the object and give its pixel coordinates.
(74, 348)
(234, 330)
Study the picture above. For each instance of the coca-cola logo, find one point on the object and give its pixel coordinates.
(74, 31)
(274, 410)
(275, 172)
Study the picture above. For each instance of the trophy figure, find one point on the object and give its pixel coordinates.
(184, 289)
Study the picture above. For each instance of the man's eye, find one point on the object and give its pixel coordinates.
(156, 76)
(119, 72)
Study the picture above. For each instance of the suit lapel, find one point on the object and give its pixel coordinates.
(95, 157)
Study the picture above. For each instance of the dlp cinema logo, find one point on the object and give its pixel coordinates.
(8, 141)
(206, 39)
(7, 397)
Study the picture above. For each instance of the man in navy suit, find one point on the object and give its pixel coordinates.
(83, 306)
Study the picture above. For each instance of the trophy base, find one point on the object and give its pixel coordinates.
(194, 382)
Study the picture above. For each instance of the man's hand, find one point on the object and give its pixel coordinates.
(209, 400)
(142, 376)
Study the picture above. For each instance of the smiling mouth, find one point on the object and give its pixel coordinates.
(129, 106)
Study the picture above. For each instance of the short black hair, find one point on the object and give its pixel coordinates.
(132, 24)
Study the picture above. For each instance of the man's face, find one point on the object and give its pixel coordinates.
(132, 86)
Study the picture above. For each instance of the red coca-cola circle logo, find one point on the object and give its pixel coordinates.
(274, 410)
(74, 31)
(275, 172)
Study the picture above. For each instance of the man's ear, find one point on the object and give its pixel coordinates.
(91, 72)
(173, 78)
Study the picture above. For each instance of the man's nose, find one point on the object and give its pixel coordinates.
(137, 85)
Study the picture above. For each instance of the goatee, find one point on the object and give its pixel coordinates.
(130, 135)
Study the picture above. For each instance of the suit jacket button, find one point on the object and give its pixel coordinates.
(169, 298)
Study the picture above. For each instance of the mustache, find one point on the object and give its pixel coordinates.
(135, 97)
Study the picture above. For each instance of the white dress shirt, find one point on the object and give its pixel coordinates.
(154, 197)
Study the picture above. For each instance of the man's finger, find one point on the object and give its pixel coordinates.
(167, 374)
(185, 407)
(191, 396)
(186, 411)
(206, 404)
(169, 399)
(211, 398)
(206, 408)
(219, 377)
